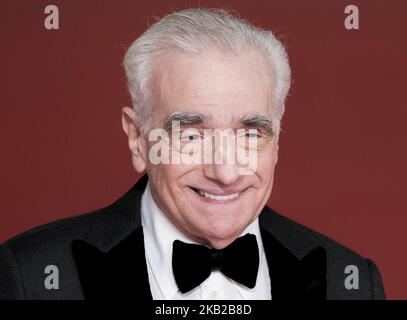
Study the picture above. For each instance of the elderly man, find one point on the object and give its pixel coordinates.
(206, 88)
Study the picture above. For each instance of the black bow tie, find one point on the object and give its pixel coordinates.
(192, 264)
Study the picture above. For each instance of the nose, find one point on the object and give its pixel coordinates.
(223, 169)
(225, 174)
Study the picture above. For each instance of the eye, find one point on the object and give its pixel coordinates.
(252, 135)
(189, 136)
(193, 137)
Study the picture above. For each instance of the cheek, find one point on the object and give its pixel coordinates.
(266, 162)
(167, 178)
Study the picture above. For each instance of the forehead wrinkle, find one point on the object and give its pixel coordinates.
(165, 64)
(163, 85)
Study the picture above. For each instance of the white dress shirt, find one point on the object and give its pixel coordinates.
(160, 233)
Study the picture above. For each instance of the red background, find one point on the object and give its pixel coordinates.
(342, 158)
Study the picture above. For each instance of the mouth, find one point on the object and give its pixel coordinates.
(217, 197)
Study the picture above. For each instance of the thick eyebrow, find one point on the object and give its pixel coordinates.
(184, 118)
(259, 122)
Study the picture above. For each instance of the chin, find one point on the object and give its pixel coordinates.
(220, 243)
(221, 234)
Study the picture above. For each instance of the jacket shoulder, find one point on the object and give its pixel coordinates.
(55, 231)
(298, 237)
(341, 261)
(24, 258)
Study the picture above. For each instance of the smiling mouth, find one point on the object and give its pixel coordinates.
(217, 197)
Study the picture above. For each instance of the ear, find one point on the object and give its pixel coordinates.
(276, 154)
(137, 143)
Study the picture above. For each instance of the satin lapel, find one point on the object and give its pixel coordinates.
(291, 277)
(313, 271)
(120, 273)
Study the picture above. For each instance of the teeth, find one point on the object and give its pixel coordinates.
(217, 197)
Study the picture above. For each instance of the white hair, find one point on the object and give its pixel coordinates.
(193, 31)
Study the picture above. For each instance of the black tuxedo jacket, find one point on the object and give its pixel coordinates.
(100, 255)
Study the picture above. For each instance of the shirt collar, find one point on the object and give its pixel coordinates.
(159, 235)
